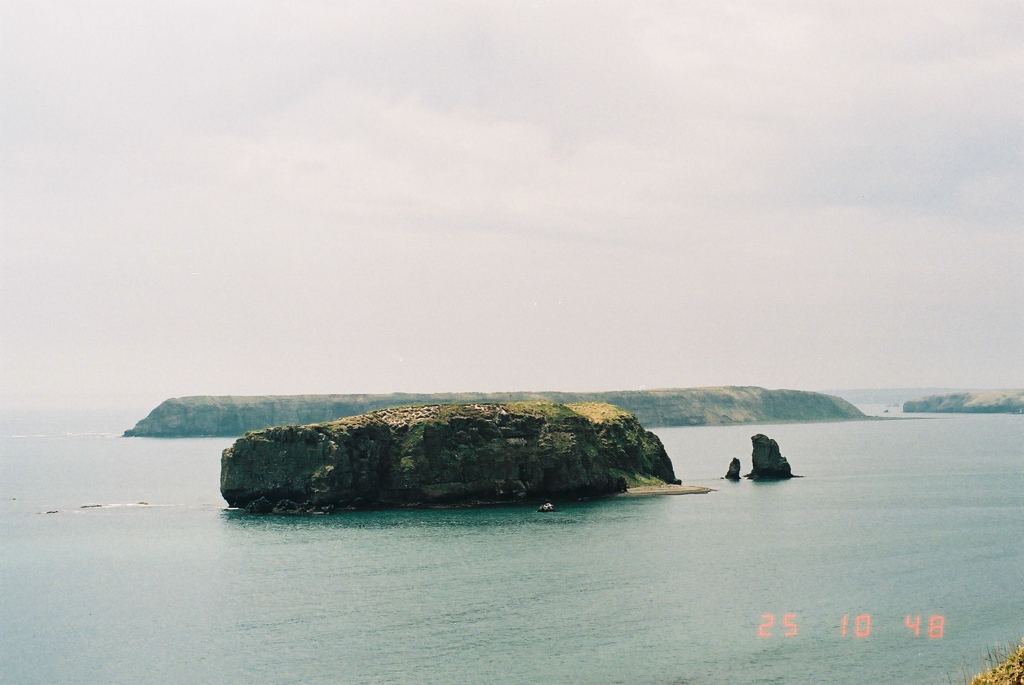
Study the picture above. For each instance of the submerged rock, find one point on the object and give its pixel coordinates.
(734, 470)
(768, 460)
(443, 454)
(286, 506)
(259, 506)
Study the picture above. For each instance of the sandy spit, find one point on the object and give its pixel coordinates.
(648, 490)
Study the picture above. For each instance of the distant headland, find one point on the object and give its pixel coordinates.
(231, 416)
(981, 402)
(444, 454)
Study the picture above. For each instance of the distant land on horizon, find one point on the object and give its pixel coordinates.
(979, 402)
(889, 396)
(231, 416)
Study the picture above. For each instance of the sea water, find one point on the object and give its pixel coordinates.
(893, 520)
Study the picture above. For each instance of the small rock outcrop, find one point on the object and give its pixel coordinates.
(546, 508)
(442, 454)
(734, 470)
(768, 460)
(259, 506)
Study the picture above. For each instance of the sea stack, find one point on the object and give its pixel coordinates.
(768, 461)
(734, 470)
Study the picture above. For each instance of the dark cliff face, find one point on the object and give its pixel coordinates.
(445, 453)
(234, 415)
(734, 470)
(768, 462)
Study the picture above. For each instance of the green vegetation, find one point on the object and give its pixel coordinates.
(599, 412)
(637, 480)
(1007, 668)
(415, 417)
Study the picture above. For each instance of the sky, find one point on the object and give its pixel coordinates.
(329, 197)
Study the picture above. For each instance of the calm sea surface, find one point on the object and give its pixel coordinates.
(894, 519)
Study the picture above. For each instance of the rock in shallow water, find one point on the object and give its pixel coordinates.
(768, 460)
(443, 454)
(259, 506)
(734, 470)
(286, 506)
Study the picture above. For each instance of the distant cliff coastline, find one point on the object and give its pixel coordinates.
(231, 416)
(983, 402)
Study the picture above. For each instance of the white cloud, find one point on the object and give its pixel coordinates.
(782, 193)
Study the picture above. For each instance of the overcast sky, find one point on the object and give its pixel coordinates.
(304, 197)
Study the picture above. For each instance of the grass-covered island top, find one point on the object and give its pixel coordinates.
(445, 454)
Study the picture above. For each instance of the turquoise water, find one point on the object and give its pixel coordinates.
(894, 518)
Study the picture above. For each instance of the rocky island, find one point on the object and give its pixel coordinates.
(444, 454)
(231, 416)
(984, 402)
(767, 459)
